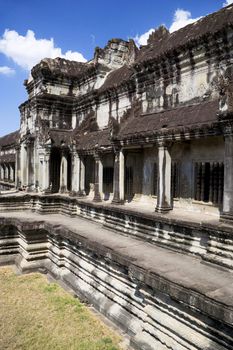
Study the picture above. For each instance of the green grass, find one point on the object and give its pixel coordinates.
(38, 315)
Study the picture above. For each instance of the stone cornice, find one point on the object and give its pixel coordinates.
(174, 135)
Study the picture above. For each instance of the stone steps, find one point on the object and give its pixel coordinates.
(210, 240)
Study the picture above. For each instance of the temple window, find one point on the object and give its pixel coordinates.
(208, 182)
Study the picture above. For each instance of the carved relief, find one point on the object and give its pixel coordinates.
(225, 88)
(158, 97)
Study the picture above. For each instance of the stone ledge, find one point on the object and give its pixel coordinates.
(162, 299)
(183, 278)
(211, 241)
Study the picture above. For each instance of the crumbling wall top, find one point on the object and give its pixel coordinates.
(161, 41)
(59, 67)
(116, 53)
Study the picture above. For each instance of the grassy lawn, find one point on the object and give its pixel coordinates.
(38, 315)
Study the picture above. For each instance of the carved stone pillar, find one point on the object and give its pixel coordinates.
(98, 177)
(23, 164)
(6, 173)
(46, 174)
(1, 172)
(63, 173)
(118, 179)
(30, 166)
(101, 170)
(164, 179)
(17, 168)
(75, 173)
(81, 183)
(227, 212)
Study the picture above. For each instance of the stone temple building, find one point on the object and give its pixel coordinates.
(139, 140)
(150, 124)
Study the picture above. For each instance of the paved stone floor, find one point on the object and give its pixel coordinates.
(143, 207)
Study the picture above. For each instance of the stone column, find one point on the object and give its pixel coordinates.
(98, 178)
(227, 211)
(30, 166)
(17, 168)
(164, 179)
(101, 173)
(63, 173)
(122, 175)
(23, 164)
(118, 177)
(81, 183)
(6, 172)
(75, 173)
(46, 174)
(36, 166)
(1, 172)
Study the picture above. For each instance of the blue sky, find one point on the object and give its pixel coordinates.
(27, 28)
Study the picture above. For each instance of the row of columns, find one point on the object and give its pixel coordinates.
(164, 177)
(78, 174)
(7, 172)
(164, 200)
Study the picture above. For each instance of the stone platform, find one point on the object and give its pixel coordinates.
(162, 298)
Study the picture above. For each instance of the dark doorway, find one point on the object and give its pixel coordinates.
(129, 183)
(89, 173)
(107, 181)
(55, 164)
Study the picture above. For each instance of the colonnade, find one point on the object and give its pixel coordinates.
(7, 172)
(164, 201)
(164, 192)
(71, 170)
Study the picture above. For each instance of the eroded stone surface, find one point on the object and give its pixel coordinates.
(157, 296)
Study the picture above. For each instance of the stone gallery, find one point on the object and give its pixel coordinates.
(136, 147)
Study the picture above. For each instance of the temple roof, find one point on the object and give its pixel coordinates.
(117, 77)
(207, 25)
(60, 137)
(9, 139)
(175, 119)
(7, 158)
(92, 140)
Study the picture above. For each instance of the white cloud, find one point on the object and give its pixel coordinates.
(6, 70)
(181, 19)
(142, 39)
(26, 51)
(228, 2)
